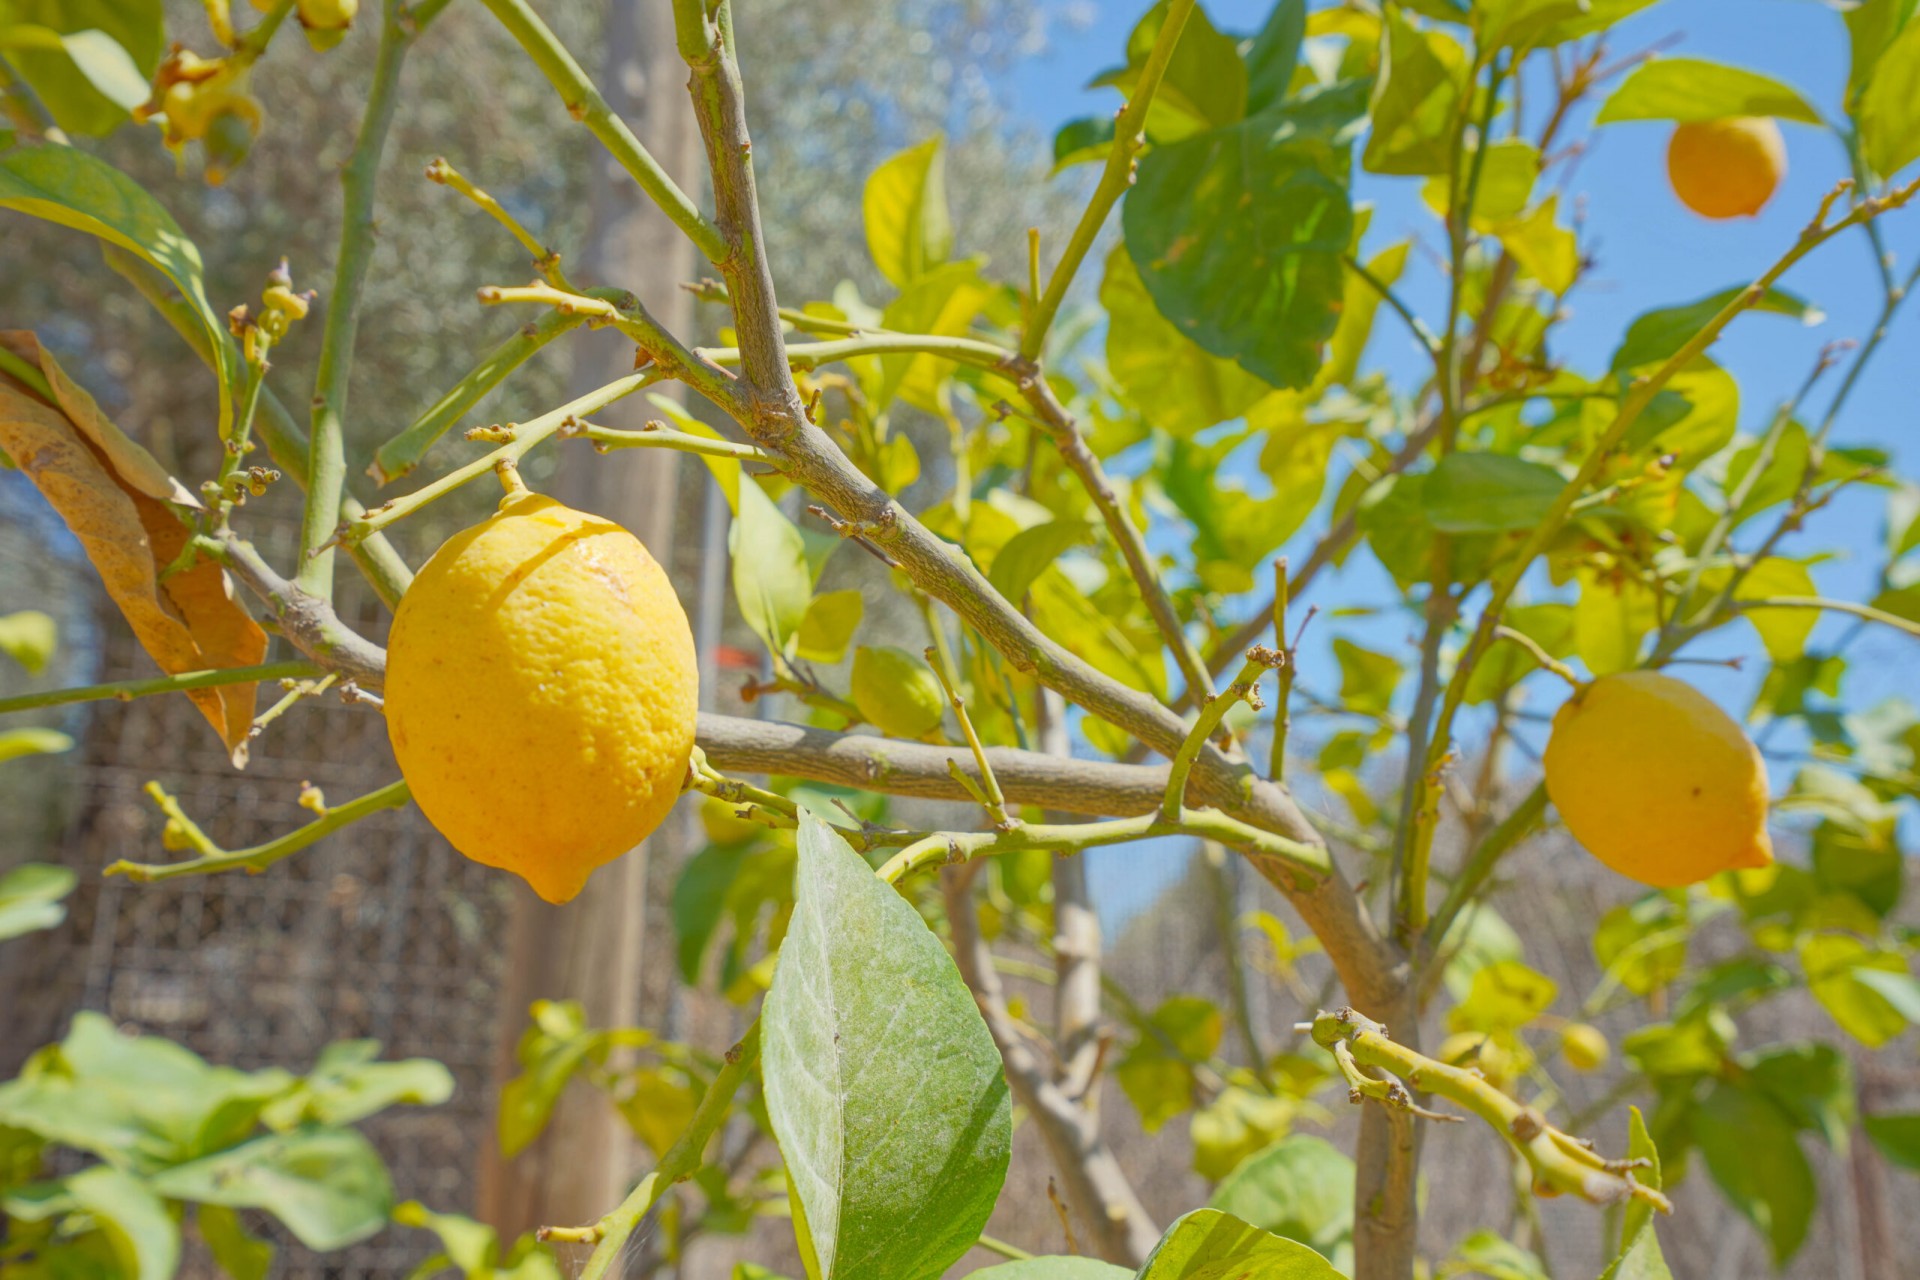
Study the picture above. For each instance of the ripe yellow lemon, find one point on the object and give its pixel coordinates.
(1726, 168)
(1658, 782)
(541, 692)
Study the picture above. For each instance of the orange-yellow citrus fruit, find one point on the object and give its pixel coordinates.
(541, 692)
(1658, 782)
(1726, 168)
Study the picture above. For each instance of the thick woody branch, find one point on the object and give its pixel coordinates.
(1096, 1187)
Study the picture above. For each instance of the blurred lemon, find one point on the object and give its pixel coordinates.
(1656, 781)
(1583, 1046)
(1726, 168)
(897, 692)
(541, 692)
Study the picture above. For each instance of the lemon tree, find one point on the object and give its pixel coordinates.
(1112, 474)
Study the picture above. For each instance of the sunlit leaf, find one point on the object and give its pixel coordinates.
(94, 63)
(909, 229)
(1656, 335)
(327, 1186)
(1889, 109)
(828, 625)
(1415, 100)
(1173, 381)
(1210, 1245)
(1684, 89)
(144, 1236)
(1489, 493)
(1301, 1187)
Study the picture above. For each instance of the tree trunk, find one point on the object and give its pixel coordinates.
(591, 949)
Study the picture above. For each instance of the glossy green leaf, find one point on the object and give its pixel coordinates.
(94, 64)
(1837, 966)
(1751, 1150)
(1301, 1187)
(828, 625)
(1524, 24)
(1238, 235)
(1489, 493)
(1030, 552)
(29, 637)
(884, 1088)
(909, 227)
(1082, 141)
(70, 187)
(1871, 27)
(1684, 89)
(1176, 385)
(1367, 677)
(1889, 109)
(1641, 1260)
(1507, 175)
(771, 581)
(1656, 335)
(327, 1186)
(30, 897)
(1415, 100)
(1210, 1245)
(239, 1253)
(144, 1237)
(1897, 1136)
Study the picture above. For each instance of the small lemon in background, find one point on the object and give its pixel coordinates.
(1658, 782)
(897, 692)
(1583, 1046)
(542, 692)
(1726, 168)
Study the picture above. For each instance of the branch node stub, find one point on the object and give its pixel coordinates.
(1528, 1125)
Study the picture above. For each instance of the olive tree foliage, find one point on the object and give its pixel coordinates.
(1134, 532)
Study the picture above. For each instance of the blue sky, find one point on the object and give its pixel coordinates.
(1651, 252)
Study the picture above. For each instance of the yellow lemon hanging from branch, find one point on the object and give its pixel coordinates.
(1726, 168)
(1657, 781)
(542, 691)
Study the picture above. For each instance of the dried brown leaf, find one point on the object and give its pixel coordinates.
(115, 498)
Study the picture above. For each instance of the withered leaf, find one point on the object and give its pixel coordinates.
(115, 498)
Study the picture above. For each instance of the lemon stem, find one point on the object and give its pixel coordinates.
(1541, 656)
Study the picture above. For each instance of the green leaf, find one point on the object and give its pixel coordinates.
(1871, 27)
(1157, 1072)
(1210, 1245)
(1173, 381)
(240, 1254)
(1205, 84)
(1274, 54)
(1367, 678)
(1657, 335)
(1028, 554)
(1489, 493)
(1642, 1259)
(1507, 175)
(1524, 24)
(1081, 141)
(16, 743)
(1053, 1269)
(828, 625)
(1543, 249)
(1639, 1147)
(327, 1186)
(346, 1085)
(1838, 966)
(884, 1088)
(1812, 1083)
(1548, 625)
(1504, 997)
(1783, 632)
(1692, 89)
(30, 897)
(95, 66)
(943, 301)
(909, 228)
(770, 578)
(1752, 1153)
(471, 1246)
(1238, 235)
(29, 637)
(1485, 1253)
(1301, 1187)
(143, 1235)
(139, 1101)
(70, 187)
(1897, 1136)
(1415, 100)
(1643, 945)
(550, 1051)
(1611, 618)
(1889, 110)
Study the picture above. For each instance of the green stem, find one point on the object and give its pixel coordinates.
(1129, 135)
(1212, 712)
(1863, 611)
(1012, 1252)
(584, 103)
(261, 856)
(605, 438)
(681, 1161)
(326, 454)
(127, 690)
